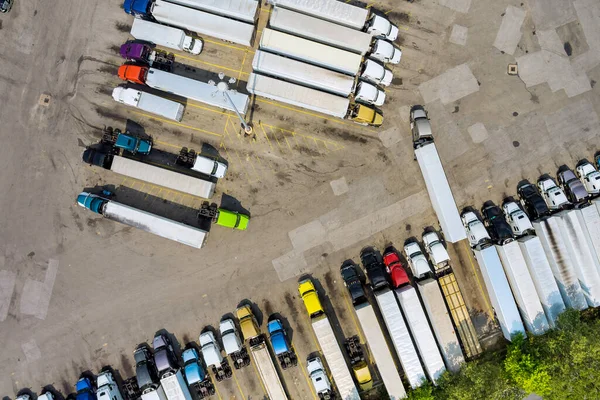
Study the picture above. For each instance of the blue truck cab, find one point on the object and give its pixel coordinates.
(95, 204)
(133, 144)
(139, 8)
(85, 390)
(278, 337)
(195, 374)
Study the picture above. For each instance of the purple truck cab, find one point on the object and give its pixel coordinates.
(135, 51)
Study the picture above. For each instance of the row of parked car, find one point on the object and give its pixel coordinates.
(573, 190)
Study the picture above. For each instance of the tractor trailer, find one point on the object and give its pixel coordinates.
(312, 99)
(433, 301)
(175, 386)
(340, 12)
(150, 173)
(589, 218)
(435, 177)
(543, 279)
(421, 332)
(380, 351)
(498, 289)
(143, 220)
(184, 87)
(403, 343)
(548, 231)
(166, 36)
(523, 288)
(150, 103)
(243, 10)
(193, 20)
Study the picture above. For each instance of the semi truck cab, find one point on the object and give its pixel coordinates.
(436, 251)
(133, 73)
(85, 390)
(212, 356)
(416, 259)
(589, 176)
(278, 337)
(420, 126)
(382, 27)
(386, 52)
(319, 379)
(517, 219)
(365, 115)
(394, 268)
(232, 344)
(107, 387)
(376, 73)
(553, 195)
(475, 229)
(310, 298)
(369, 94)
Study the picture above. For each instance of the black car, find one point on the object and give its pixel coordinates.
(374, 268)
(145, 370)
(5, 5)
(499, 229)
(532, 201)
(353, 282)
(164, 357)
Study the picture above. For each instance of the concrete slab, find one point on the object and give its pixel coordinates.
(289, 265)
(452, 85)
(574, 122)
(7, 287)
(457, 5)
(307, 236)
(339, 186)
(509, 34)
(550, 14)
(588, 12)
(390, 137)
(36, 295)
(550, 41)
(31, 350)
(478, 132)
(459, 35)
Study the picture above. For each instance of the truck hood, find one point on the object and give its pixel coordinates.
(420, 265)
(398, 275)
(193, 373)
(381, 26)
(438, 253)
(211, 355)
(230, 343)
(279, 343)
(370, 94)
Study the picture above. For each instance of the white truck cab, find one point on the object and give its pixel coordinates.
(370, 94)
(382, 27)
(553, 195)
(376, 73)
(516, 218)
(386, 52)
(476, 231)
(231, 340)
(589, 176)
(416, 259)
(319, 379)
(210, 350)
(434, 247)
(210, 167)
(107, 387)
(46, 396)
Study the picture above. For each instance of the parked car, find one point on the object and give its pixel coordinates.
(574, 188)
(164, 357)
(532, 201)
(516, 217)
(553, 195)
(589, 176)
(145, 370)
(394, 268)
(500, 230)
(374, 268)
(6, 5)
(475, 229)
(353, 282)
(416, 259)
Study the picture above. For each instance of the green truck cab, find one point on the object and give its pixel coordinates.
(222, 217)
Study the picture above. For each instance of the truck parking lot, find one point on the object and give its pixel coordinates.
(79, 292)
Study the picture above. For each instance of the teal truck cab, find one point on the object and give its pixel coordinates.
(126, 141)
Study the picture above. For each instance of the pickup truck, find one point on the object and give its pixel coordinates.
(126, 141)
(285, 354)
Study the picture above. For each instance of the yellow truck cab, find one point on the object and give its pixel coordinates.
(248, 324)
(363, 376)
(311, 298)
(365, 115)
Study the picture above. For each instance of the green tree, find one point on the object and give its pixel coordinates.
(524, 368)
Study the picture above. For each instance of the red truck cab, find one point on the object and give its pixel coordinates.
(133, 73)
(395, 269)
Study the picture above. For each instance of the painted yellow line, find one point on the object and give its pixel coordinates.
(177, 124)
(469, 254)
(265, 133)
(237, 383)
(216, 389)
(167, 144)
(337, 121)
(242, 66)
(303, 368)
(211, 64)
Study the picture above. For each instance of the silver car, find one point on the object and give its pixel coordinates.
(573, 187)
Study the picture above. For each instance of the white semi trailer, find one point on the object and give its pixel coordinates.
(523, 288)
(149, 102)
(543, 278)
(175, 386)
(441, 324)
(243, 10)
(497, 286)
(548, 230)
(589, 218)
(394, 321)
(584, 258)
(421, 332)
(380, 351)
(166, 36)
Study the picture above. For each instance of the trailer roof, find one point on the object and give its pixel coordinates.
(336, 11)
(310, 51)
(244, 10)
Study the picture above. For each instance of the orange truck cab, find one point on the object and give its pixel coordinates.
(133, 73)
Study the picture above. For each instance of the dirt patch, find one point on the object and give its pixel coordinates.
(284, 176)
(122, 27)
(307, 151)
(398, 17)
(103, 112)
(267, 307)
(344, 135)
(115, 49)
(108, 69)
(104, 90)
(289, 301)
(0, 24)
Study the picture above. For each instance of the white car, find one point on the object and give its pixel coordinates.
(376, 73)
(553, 195)
(475, 229)
(589, 176)
(210, 167)
(416, 259)
(370, 94)
(516, 218)
(386, 52)
(436, 250)
(319, 379)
